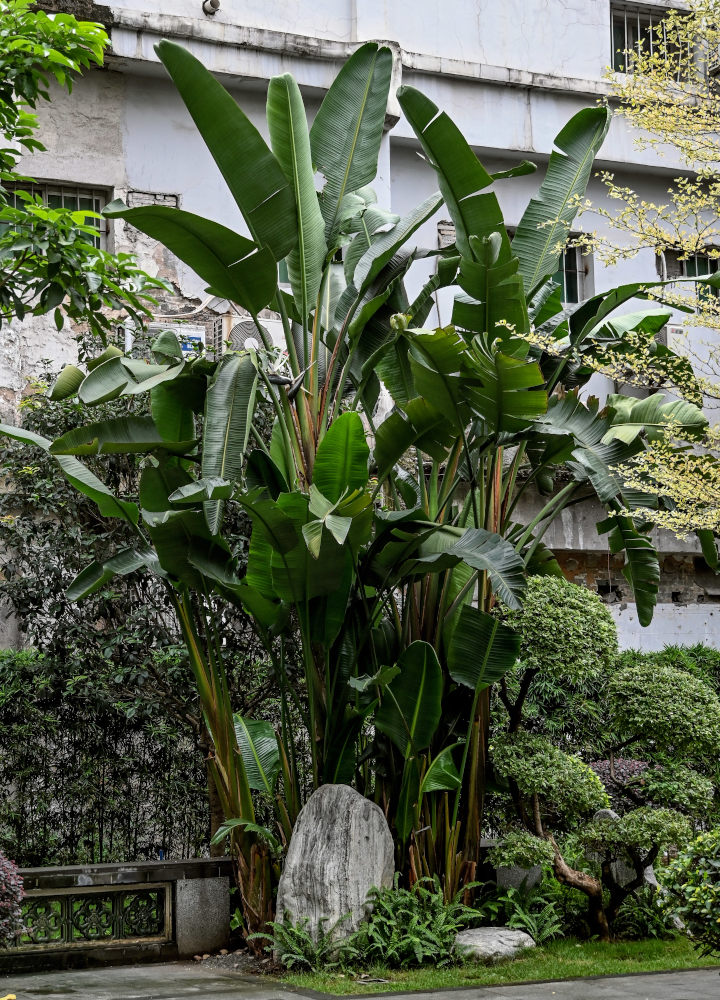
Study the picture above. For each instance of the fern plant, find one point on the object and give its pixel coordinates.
(410, 927)
(642, 916)
(295, 947)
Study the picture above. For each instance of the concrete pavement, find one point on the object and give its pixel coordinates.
(187, 980)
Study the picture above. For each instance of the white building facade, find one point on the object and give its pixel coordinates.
(510, 75)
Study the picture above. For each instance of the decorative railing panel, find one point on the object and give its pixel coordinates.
(97, 916)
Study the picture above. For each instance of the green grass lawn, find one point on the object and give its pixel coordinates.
(560, 960)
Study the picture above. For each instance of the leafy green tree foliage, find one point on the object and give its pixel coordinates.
(48, 262)
(568, 642)
(521, 849)
(553, 791)
(666, 706)
(694, 890)
(82, 779)
(566, 632)
(555, 783)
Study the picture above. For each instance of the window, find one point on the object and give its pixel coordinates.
(73, 197)
(633, 26)
(696, 265)
(572, 275)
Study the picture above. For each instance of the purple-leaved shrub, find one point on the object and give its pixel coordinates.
(11, 895)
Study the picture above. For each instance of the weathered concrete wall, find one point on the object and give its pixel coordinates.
(681, 625)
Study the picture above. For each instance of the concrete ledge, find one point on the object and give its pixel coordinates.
(125, 874)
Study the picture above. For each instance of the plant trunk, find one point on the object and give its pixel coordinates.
(254, 880)
(475, 794)
(590, 886)
(217, 818)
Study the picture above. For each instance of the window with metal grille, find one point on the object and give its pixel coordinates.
(76, 198)
(696, 265)
(633, 26)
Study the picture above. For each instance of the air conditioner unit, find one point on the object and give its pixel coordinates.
(190, 335)
(675, 338)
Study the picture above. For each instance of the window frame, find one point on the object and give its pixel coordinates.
(652, 13)
(47, 189)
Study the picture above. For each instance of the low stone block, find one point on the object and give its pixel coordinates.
(202, 915)
(514, 877)
(488, 944)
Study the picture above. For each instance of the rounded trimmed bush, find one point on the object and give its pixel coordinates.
(565, 631)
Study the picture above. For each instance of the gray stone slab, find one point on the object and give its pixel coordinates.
(202, 915)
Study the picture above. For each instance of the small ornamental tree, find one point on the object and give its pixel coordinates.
(671, 708)
(553, 791)
(11, 895)
(635, 839)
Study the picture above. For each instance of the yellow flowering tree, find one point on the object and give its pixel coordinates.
(671, 95)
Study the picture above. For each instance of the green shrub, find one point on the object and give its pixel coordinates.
(521, 848)
(666, 706)
(637, 833)
(692, 882)
(567, 787)
(566, 631)
(676, 787)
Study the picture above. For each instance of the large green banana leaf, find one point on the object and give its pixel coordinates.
(174, 534)
(122, 376)
(443, 547)
(160, 479)
(642, 568)
(384, 247)
(511, 390)
(495, 300)
(347, 130)
(419, 424)
(632, 417)
(411, 707)
(254, 176)
(67, 383)
(229, 407)
(260, 752)
(461, 176)
(442, 775)
(290, 142)
(341, 460)
(121, 435)
(482, 649)
(98, 573)
(546, 221)
(233, 266)
(173, 417)
(440, 373)
(79, 476)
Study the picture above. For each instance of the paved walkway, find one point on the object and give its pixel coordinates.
(186, 981)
